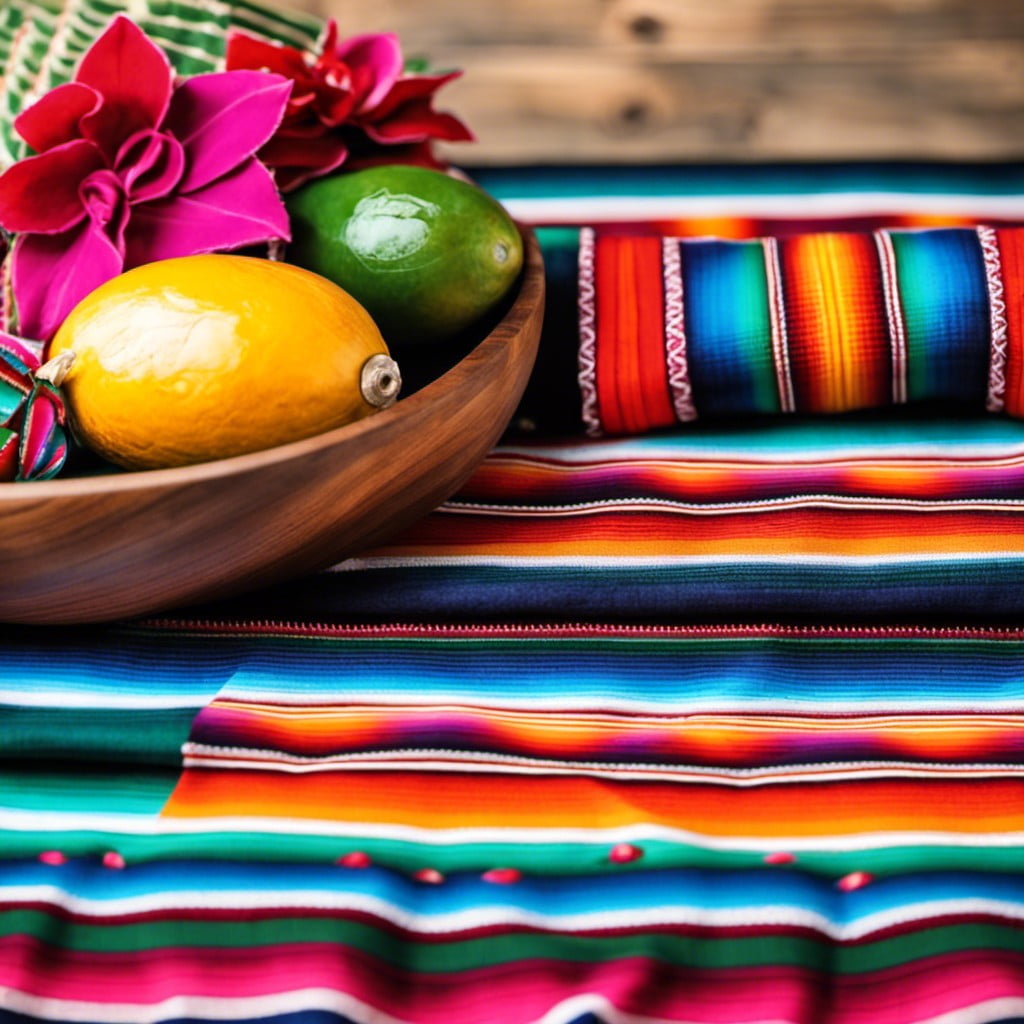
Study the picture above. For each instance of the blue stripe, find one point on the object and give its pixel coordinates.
(944, 297)
(986, 591)
(728, 342)
(712, 890)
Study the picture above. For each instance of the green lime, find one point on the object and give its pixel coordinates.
(425, 253)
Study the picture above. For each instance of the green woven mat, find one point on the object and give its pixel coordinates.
(41, 41)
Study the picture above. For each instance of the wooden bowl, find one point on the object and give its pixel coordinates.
(97, 548)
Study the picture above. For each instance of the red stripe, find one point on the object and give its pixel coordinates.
(1011, 255)
(632, 377)
(652, 376)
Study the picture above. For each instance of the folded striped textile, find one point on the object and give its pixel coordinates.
(518, 824)
(675, 329)
(705, 726)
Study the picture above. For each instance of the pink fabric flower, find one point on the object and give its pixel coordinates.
(352, 105)
(131, 169)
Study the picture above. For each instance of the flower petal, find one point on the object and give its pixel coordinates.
(44, 447)
(375, 61)
(238, 209)
(54, 119)
(297, 160)
(409, 88)
(40, 194)
(247, 52)
(134, 77)
(51, 274)
(417, 121)
(105, 202)
(8, 454)
(223, 118)
(16, 353)
(150, 163)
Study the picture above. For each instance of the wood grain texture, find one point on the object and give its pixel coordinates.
(93, 549)
(630, 80)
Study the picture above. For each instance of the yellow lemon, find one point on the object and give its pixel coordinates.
(205, 357)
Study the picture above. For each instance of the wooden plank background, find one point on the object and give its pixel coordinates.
(629, 80)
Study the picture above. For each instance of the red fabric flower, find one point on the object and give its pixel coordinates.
(132, 169)
(352, 105)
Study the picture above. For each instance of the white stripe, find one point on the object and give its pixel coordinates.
(277, 31)
(675, 332)
(471, 762)
(824, 501)
(909, 451)
(333, 1001)
(587, 353)
(605, 1011)
(508, 456)
(31, 697)
(37, 821)
(227, 1008)
(777, 315)
(665, 561)
(684, 705)
(504, 914)
(583, 209)
(894, 314)
(998, 327)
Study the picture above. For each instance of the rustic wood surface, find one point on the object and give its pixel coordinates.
(630, 80)
(91, 549)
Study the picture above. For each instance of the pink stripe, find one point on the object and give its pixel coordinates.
(514, 993)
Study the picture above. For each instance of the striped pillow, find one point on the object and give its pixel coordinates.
(672, 330)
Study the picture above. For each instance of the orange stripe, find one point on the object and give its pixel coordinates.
(441, 800)
(836, 322)
(801, 531)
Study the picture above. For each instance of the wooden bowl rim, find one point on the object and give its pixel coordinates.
(529, 289)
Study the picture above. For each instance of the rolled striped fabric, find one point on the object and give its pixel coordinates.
(674, 329)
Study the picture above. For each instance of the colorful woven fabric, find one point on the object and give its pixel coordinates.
(673, 329)
(525, 764)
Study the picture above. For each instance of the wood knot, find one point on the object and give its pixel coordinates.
(647, 28)
(634, 115)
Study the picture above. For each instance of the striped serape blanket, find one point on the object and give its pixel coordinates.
(673, 329)
(718, 725)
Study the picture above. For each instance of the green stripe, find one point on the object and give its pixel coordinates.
(546, 858)
(705, 952)
(81, 789)
(95, 734)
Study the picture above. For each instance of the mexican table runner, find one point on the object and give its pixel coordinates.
(717, 723)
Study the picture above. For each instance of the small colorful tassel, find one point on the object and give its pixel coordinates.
(33, 439)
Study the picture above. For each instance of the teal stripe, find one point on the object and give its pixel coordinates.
(1006, 179)
(944, 299)
(546, 857)
(728, 328)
